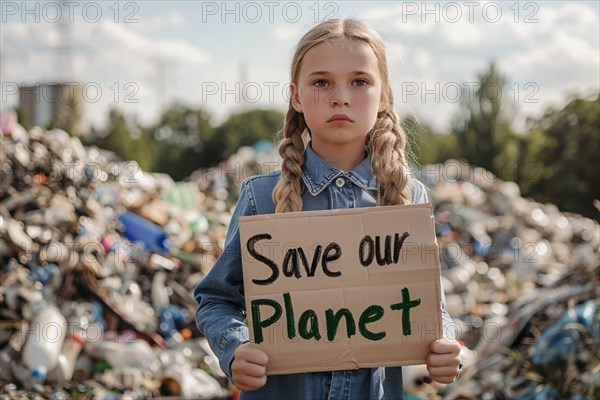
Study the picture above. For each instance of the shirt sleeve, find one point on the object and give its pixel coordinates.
(222, 312)
(419, 196)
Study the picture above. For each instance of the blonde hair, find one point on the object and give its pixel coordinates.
(386, 141)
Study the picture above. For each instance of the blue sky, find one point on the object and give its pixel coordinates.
(141, 55)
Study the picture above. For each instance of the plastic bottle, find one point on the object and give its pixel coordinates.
(45, 340)
(136, 354)
(189, 383)
(6, 356)
(160, 294)
(140, 229)
(83, 369)
(67, 359)
(168, 329)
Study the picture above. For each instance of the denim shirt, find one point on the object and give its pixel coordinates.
(221, 314)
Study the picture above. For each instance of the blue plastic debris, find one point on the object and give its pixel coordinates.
(563, 337)
(138, 229)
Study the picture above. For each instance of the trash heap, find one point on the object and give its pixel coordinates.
(522, 285)
(98, 265)
(111, 254)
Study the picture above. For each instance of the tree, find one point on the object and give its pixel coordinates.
(183, 137)
(125, 138)
(425, 146)
(561, 164)
(183, 140)
(482, 127)
(245, 129)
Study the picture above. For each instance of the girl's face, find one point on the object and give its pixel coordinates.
(340, 77)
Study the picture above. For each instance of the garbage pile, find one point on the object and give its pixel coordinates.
(98, 264)
(522, 285)
(111, 254)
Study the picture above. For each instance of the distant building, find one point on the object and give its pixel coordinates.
(53, 105)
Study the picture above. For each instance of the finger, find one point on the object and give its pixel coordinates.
(443, 379)
(256, 356)
(440, 360)
(436, 372)
(249, 382)
(251, 369)
(444, 346)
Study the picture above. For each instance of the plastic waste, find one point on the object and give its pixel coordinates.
(67, 360)
(179, 378)
(562, 337)
(160, 294)
(135, 354)
(59, 209)
(45, 340)
(83, 369)
(170, 317)
(138, 229)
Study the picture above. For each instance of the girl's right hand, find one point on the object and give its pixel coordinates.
(249, 367)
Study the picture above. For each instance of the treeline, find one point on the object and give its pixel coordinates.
(555, 160)
(183, 140)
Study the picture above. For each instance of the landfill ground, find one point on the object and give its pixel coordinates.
(115, 252)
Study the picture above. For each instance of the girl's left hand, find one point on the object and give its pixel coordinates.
(444, 360)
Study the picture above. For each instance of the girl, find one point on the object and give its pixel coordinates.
(343, 148)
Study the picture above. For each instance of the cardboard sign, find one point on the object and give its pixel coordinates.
(342, 289)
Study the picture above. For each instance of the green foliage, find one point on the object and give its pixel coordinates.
(555, 161)
(561, 165)
(181, 136)
(482, 127)
(425, 146)
(183, 140)
(125, 138)
(247, 128)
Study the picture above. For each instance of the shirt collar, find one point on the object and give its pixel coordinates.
(317, 173)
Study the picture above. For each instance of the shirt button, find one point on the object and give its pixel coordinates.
(340, 182)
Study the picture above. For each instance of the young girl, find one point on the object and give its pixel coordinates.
(343, 148)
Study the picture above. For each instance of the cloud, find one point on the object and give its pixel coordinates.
(168, 49)
(574, 19)
(106, 43)
(563, 60)
(172, 19)
(461, 33)
(80, 64)
(287, 32)
(126, 66)
(175, 19)
(558, 53)
(13, 30)
(555, 50)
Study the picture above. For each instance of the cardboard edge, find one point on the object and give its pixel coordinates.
(332, 213)
(366, 365)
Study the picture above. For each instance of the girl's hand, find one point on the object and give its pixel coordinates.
(444, 360)
(249, 368)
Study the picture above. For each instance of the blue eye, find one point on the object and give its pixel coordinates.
(363, 81)
(316, 83)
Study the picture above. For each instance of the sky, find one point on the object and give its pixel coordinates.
(141, 56)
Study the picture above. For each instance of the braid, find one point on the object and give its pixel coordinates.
(287, 194)
(387, 143)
